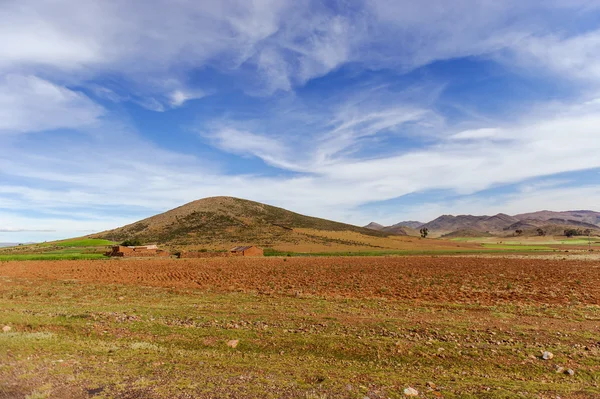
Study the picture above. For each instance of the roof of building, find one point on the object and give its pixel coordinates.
(238, 249)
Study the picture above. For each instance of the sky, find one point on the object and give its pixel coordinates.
(352, 110)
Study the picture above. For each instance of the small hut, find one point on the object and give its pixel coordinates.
(246, 251)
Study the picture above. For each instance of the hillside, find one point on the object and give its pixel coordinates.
(466, 233)
(449, 223)
(589, 217)
(413, 224)
(219, 222)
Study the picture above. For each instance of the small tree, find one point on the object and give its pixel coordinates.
(518, 232)
(570, 232)
(132, 242)
(424, 232)
(541, 232)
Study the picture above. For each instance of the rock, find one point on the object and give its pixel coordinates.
(570, 372)
(559, 369)
(121, 298)
(233, 343)
(547, 355)
(410, 391)
(6, 328)
(431, 385)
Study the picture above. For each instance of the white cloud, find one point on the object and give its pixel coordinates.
(574, 56)
(345, 156)
(179, 97)
(287, 42)
(483, 133)
(29, 104)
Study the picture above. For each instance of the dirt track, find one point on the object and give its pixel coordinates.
(475, 280)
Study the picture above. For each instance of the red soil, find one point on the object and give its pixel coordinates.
(454, 279)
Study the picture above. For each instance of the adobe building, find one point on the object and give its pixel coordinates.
(246, 251)
(146, 251)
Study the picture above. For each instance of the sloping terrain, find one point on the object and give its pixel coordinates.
(413, 224)
(220, 221)
(467, 233)
(589, 217)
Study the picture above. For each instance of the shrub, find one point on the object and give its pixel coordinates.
(132, 242)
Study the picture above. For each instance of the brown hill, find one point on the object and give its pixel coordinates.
(449, 223)
(397, 229)
(499, 225)
(413, 224)
(589, 217)
(221, 221)
(559, 223)
(374, 226)
(467, 233)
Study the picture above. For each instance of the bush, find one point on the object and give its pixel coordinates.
(132, 242)
(572, 232)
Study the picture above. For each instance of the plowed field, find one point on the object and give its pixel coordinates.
(447, 279)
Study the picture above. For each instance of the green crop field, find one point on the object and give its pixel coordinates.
(80, 242)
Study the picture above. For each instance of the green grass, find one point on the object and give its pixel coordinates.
(130, 341)
(80, 242)
(52, 256)
(526, 242)
(517, 247)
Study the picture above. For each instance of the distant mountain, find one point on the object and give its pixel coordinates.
(502, 224)
(402, 228)
(410, 223)
(590, 217)
(8, 244)
(396, 229)
(374, 226)
(449, 223)
(222, 221)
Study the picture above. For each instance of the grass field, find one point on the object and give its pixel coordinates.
(81, 242)
(300, 328)
(544, 240)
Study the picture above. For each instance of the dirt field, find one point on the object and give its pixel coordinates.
(456, 279)
(311, 328)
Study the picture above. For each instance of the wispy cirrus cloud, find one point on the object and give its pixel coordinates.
(345, 105)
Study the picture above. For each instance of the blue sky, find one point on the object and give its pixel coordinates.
(358, 111)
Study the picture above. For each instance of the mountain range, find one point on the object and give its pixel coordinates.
(219, 222)
(501, 224)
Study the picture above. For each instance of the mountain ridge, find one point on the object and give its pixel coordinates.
(502, 222)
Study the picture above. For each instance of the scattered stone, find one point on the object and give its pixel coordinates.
(570, 372)
(6, 328)
(431, 385)
(559, 369)
(410, 391)
(233, 343)
(121, 298)
(547, 355)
